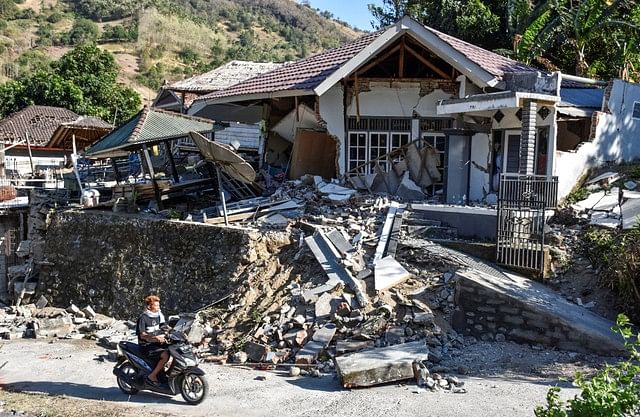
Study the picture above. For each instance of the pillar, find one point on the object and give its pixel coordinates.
(528, 138)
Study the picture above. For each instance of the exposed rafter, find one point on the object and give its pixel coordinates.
(427, 63)
(379, 59)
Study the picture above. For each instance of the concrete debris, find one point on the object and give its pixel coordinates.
(41, 321)
(379, 366)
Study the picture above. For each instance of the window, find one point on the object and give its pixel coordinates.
(373, 138)
(636, 110)
(357, 149)
(512, 153)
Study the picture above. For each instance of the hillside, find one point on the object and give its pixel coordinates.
(158, 40)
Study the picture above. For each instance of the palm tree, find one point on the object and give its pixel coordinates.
(575, 24)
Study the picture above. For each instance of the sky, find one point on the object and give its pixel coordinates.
(354, 12)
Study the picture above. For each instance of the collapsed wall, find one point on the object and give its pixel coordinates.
(112, 261)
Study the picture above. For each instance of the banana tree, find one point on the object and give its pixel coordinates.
(574, 24)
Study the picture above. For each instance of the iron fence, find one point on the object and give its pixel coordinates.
(522, 204)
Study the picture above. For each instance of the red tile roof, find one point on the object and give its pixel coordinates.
(308, 73)
(305, 74)
(39, 122)
(489, 61)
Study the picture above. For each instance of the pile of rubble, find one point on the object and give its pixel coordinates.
(613, 201)
(41, 321)
(367, 309)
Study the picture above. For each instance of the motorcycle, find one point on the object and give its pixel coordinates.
(183, 376)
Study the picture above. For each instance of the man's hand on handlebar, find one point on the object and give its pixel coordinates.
(160, 338)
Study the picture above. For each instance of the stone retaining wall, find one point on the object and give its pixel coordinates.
(528, 314)
(111, 261)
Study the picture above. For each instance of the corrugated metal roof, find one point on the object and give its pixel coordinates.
(150, 125)
(581, 97)
(222, 77)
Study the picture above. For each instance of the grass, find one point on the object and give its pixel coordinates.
(43, 405)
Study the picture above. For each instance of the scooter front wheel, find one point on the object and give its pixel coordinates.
(194, 388)
(124, 385)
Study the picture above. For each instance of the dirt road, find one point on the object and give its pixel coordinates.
(77, 369)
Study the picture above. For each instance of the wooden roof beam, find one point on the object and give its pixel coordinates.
(428, 63)
(379, 60)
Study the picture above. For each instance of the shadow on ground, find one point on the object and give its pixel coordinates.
(88, 392)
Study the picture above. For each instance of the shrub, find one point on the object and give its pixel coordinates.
(617, 256)
(612, 392)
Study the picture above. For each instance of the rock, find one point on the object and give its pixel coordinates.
(42, 302)
(196, 333)
(240, 357)
(294, 371)
(500, 337)
(56, 327)
(89, 313)
(256, 351)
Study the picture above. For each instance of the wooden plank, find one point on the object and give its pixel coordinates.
(427, 63)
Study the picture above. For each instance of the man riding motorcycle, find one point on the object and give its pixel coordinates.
(151, 337)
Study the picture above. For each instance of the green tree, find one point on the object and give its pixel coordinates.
(83, 31)
(572, 27)
(83, 80)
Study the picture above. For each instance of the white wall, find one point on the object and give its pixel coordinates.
(480, 179)
(617, 139)
(399, 101)
(332, 113)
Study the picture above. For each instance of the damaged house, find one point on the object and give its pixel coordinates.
(238, 122)
(415, 112)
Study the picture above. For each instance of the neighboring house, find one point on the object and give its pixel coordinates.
(452, 114)
(43, 136)
(239, 128)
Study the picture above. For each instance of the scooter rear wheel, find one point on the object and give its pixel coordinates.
(194, 388)
(124, 386)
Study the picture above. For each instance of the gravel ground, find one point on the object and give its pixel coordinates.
(502, 379)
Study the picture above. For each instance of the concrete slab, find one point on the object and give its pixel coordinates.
(408, 190)
(610, 176)
(603, 219)
(608, 202)
(379, 366)
(328, 257)
(630, 214)
(340, 242)
(346, 346)
(589, 202)
(388, 273)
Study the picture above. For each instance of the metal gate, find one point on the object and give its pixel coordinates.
(522, 202)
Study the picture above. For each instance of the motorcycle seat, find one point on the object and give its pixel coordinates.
(131, 347)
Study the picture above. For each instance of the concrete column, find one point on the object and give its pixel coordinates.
(528, 138)
(553, 142)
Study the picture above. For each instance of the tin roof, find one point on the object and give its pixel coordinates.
(148, 126)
